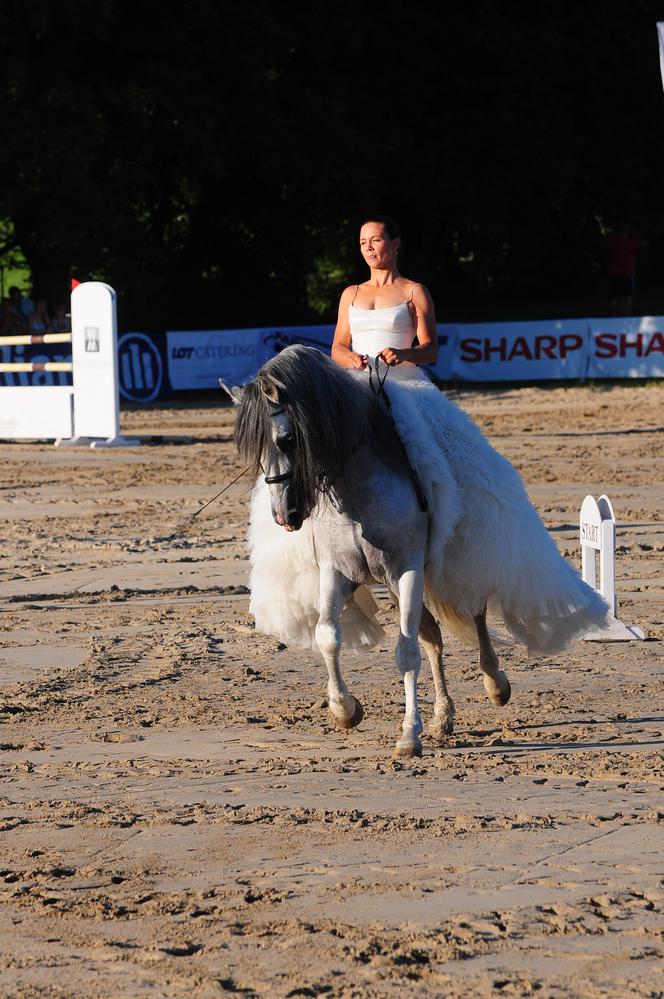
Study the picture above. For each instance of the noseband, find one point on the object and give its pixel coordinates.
(285, 476)
(270, 479)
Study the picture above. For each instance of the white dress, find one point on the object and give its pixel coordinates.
(487, 543)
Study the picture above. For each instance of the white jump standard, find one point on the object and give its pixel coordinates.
(597, 525)
(86, 412)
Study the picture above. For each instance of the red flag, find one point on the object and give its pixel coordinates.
(74, 283)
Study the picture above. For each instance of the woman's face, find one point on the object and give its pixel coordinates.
(379, 251)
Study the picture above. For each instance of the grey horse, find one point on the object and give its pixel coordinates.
(328, 451)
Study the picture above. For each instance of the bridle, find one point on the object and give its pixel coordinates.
(270, 479)
(284, 476)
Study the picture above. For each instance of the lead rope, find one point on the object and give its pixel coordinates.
(187, 520)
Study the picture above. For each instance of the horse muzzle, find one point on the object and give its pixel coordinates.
(287, 512)
(291, 522)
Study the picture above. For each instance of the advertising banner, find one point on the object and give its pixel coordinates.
(494, 352)
(37, 354)
(322, 336)
(632, 347)
(152, 365)
(448, 335)
(142, 374)
(276, 338)
(199, 358)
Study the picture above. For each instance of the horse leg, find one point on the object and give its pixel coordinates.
(411, 595)
(496, 683)
(442, 723)
(344, 710)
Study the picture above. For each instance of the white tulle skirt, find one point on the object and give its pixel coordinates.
(487, 544)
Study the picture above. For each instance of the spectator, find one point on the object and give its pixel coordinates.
(38, 320)
(27, 306)
(16, 320)
(5, 317)
(61, 322)
(621, 248)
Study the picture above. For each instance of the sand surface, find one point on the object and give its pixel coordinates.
(179, 818)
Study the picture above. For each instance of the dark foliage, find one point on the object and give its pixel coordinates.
(211, 160)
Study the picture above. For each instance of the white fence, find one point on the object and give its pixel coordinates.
(86, 412)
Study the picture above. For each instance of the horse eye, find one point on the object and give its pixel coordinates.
(285, 442)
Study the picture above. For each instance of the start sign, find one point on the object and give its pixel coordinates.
(597, 530)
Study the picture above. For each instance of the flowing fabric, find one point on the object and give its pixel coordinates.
(487, 543)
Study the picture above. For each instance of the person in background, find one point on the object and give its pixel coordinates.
(5, 317)
(61, 322)
(16, 322)
(38, 320)
(27, 306)
(620, 249)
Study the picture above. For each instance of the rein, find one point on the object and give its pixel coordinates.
(187, 520)
(379, 390)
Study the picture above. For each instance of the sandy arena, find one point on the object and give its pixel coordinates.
(179, 818)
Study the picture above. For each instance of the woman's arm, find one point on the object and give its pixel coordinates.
(341, 347)
(426, 351)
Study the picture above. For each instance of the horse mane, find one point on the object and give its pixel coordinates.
(332, 414)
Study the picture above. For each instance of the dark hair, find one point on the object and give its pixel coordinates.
(331, 413)
(391, 227)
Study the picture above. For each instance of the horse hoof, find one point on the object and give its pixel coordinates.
(406, 749)
(353, 721)
(441, 726)
(498, 688)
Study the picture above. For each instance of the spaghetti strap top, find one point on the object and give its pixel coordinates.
(372, 330)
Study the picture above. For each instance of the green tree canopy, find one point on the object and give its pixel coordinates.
(212, 160)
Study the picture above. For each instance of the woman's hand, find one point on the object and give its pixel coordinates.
(392, 356)
(358, 361)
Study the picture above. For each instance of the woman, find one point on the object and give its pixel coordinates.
(487, 543)
(409, 312)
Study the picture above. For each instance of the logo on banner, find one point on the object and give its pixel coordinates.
(140, 371)
(215, 348)
(502, 348)
(625, 345)
(278, 341)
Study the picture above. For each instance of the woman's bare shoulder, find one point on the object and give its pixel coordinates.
(352, 289)
(415, 289)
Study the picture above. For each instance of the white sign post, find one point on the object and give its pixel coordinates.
(94, 336)
(597, 523)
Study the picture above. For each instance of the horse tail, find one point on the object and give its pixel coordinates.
(459, 625)
(453, 621)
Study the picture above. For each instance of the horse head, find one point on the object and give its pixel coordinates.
(279, 458)
(302, 422)
(265, 434)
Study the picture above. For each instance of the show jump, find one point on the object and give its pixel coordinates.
(87, 412)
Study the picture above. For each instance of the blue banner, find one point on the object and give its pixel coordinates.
(153, 365)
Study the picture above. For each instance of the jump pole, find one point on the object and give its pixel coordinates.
(597, 529)
(87, 413)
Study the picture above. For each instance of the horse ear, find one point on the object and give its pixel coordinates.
(234, 391)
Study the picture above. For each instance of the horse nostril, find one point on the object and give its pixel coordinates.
(294, 519)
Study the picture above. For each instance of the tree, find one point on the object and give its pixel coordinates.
(212, 160)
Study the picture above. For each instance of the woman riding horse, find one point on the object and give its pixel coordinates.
(484, 543)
